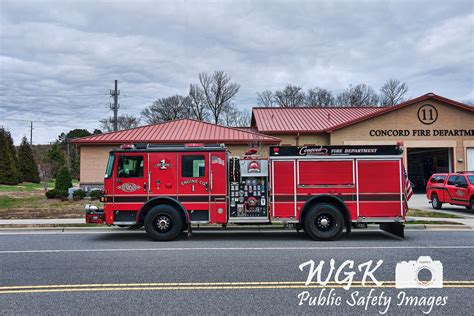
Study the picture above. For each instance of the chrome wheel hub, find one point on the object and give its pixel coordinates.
(163, 223)
(324, 222)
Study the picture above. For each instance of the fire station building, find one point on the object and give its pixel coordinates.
(438, 134)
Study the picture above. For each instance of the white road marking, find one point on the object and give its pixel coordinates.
(230, 231)
(229, 248)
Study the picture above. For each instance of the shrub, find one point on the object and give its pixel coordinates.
(63, 179)
(79, 194)
(94, 194)
(56, 194)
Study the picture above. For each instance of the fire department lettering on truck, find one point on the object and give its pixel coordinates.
(324, 190)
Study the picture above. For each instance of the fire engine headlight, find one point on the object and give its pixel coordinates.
(103, 199)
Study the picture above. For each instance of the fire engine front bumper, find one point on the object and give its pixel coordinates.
(94, 215)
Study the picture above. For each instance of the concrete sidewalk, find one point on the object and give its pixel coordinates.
(44, 221)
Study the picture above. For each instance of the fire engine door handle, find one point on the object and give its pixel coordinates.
(210, 180)
(144, 186)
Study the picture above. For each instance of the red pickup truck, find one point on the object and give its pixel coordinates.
(452, 188)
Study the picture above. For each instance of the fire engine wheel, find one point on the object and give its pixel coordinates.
(163, 223)
(435, 203)
(471, 204)
(324, 222)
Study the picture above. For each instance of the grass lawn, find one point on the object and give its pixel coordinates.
(420, 213)
(30, 187)
(25, 187)
(28, 200)
(434, 223)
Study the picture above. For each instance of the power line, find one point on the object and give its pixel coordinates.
(63, 103)
(52, 95)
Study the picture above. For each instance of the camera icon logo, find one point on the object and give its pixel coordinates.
(423, 273)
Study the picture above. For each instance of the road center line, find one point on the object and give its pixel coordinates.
(228, 248)
(206, 287)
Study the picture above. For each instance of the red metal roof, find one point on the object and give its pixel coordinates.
(422, 98)
(306, 119)
(179, 131)
(326, 119)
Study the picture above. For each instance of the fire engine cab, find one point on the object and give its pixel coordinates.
(321, 189)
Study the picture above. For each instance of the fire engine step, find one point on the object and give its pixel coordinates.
(396, 229)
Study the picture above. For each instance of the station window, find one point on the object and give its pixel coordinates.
(193, 166)
(130, 167)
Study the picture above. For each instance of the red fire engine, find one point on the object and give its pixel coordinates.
(321, 189)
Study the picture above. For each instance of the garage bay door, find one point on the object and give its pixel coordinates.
(470, 159)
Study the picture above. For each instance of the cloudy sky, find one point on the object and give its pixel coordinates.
(58, 59)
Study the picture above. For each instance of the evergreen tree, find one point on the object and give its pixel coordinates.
(28, 167)
(63, 179)
(14, 155)
(74, 161)
(56, 158)
(8, 170)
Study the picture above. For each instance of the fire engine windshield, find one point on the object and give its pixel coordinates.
(110, 165)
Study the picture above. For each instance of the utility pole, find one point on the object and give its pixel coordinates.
(115, 93)
(31, 132)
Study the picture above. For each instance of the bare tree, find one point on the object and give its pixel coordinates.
(233, 117)
(319, 97)
(123, 122)
(197, 106)
(168, 109)
(266, 98)
(290, 97)
(359, 95)
(218, 91)
(393, 92)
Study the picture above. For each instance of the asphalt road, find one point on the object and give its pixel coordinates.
(97, 272)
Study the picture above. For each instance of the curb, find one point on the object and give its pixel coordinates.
(256, 228)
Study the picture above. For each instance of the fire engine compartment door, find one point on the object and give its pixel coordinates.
(163, 174)
(218, 187)
(130, 181)
(379, 187)
(283, 189)
(193, 183)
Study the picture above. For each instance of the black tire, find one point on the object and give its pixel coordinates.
(324, 222)
(435, 203)
(163, 223)
(471, 204)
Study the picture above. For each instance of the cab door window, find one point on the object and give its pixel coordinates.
(130, 167)
(193, 166)
(461, 182)
(452, 180)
